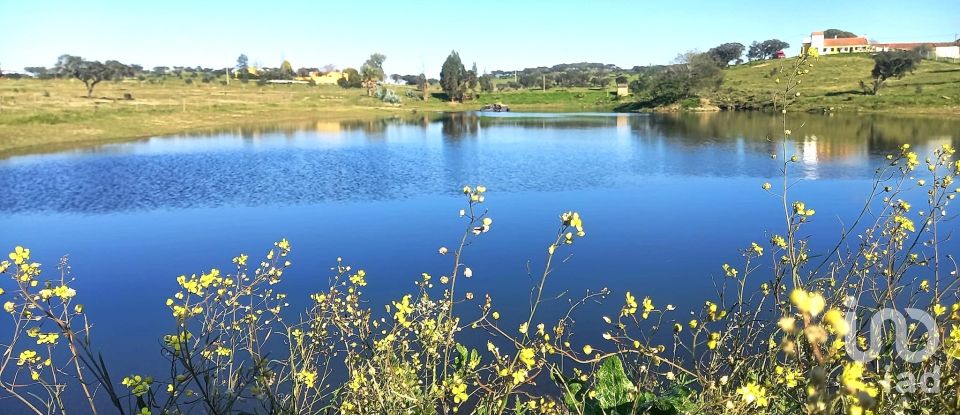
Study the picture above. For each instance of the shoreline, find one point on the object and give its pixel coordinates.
(41, 116)
(232, 121)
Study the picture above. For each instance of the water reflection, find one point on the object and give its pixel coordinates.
(667, 198)
(430, 153)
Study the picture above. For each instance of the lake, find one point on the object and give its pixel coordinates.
(666, 199)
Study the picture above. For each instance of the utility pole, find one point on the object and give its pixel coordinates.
(227, 69)
(544, 82)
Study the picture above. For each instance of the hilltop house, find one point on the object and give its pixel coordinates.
(836, 45)
(860, 44)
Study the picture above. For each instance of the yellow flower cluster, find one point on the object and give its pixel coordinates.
(404, 309)
(647, 307)
(28, 357)
(359, 278)
(20, 255)
(857, 389)
(62, 291)
(307, 377)
(753, 394)
(630, 307)
(778, 241)
(807, 302)
(800, 208)
(137, 384)
(458, 389)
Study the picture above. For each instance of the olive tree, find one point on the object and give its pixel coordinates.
(890, 65)
(91, 72)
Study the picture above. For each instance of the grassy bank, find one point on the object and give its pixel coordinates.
(833, 82)
(49, 115)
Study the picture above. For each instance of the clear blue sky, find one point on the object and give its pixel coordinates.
(417, 37)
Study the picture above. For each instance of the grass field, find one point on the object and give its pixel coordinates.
(833, 82)
(49, 115)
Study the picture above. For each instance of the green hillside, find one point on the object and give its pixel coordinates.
(833, 82)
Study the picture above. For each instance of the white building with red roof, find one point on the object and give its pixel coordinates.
(860, 44)
(836, 44)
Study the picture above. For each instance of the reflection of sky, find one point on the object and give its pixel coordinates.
(319, 162)
(666, 199)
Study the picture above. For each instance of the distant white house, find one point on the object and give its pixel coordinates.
(860, 44)
(938, 49)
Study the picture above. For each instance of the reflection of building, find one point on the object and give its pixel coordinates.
(327, 127)
(817, 149)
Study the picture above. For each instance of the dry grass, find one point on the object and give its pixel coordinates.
(54, 114)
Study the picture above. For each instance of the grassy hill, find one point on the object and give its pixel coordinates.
(833, 82)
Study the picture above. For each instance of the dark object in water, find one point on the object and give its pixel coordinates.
(495, 108)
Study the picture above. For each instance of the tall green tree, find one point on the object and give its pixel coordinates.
(243, 68)
(286, 70)
(350, 79)
(471, 80)
(888, 65)
(837, 33)
(453, 76)
(371, 72)
(727, 52)
(90, 72)
(486, 83)
(423, 85)
(766, 49)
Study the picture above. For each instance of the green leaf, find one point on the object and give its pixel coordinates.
(613, 387)
(460, 360)
(572, 389)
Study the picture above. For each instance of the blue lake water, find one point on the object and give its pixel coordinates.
(666, 199)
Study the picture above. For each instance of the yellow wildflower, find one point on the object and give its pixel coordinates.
(630, 306)
(526, 357)
(308, 378)
(647, 307)
(20, 255)
(808, 303)
(359, 278)
(752, 393)
(28, 357)
(837, 321)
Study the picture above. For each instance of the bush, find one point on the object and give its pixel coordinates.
(386, 95)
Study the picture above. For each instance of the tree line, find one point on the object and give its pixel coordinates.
(691, 73)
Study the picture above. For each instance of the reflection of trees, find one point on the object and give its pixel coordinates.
(835, 137)
(700, 145)
(458, 125)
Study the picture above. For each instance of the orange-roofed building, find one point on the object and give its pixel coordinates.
(836, 45)
(860, 44)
